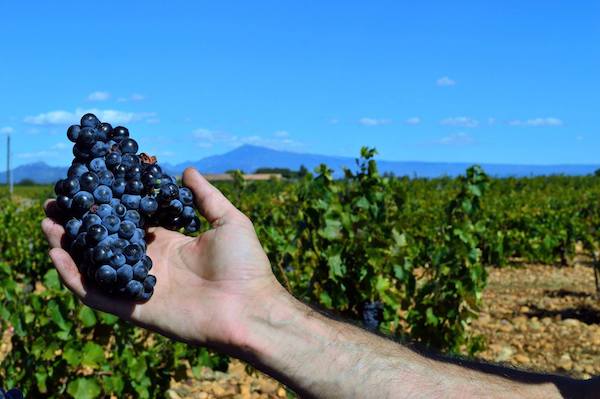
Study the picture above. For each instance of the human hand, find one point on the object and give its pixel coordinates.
(206, 285)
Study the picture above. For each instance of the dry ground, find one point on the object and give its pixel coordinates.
(535, 317)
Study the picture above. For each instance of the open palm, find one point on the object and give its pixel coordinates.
(204, 284)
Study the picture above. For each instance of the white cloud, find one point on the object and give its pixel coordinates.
(112, 116)
(281, 133)
(98, 96)
(6, 130)
(415, 120)
(61, 145)
(206, 138)
(460, 138)
(550, 121)
(43, 154)
(445, 81)
(374, 121)
(132, 97)
(462, 121)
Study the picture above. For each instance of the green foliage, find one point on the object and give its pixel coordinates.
(62, 348)
(418, 246)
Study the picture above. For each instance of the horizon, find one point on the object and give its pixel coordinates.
(377, 158)
(469, 83)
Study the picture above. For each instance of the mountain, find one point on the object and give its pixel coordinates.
(39, 172)
(249, 158)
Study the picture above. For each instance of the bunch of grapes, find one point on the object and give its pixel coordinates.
(111, 194)
(11, 394)
(372, 315)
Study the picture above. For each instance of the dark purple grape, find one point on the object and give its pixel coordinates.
(89, 120)
(119, 133)
(128, 146)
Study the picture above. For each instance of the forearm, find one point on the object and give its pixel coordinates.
(322, 358)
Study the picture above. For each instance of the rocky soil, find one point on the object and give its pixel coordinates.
(535, 317)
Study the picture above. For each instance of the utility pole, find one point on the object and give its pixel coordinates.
(9, 182)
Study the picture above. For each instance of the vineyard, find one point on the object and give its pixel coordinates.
(406, 256)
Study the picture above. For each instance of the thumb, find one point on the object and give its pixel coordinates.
(211, 203)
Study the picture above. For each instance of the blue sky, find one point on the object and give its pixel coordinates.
(507, 82)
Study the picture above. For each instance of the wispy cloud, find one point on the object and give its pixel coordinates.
(549, 121)
(132, 97)
(41, 155)
(374, 121)
(334, 121)
(462, 121)
(61, 117)
(206, 138)
(6, 130)
(445, 81)
(98, 96)
(415, 120)
(281, 133)
(457, 139)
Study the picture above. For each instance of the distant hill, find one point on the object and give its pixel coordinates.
(249, 158)
(39, 172)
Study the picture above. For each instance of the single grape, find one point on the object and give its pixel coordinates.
(133, 253)
(72, 227)
(97, 165)
(112, 159)
(89, 181)
(71, 186)
(118, 134)
(139, 271)
(90, 219)
(89, 120)
(133, 216)
(131, 201)
(102, 254)
(103, 194)
(117, 260)
(185, 196)
(112, 223)
(124, 275)
(82, 201)
(126, 229)
(128, 146)
(106, 177)
(73, 132)
(76, 170)
(106, 275)
(134, 289)
(97, 233)
(86, 137)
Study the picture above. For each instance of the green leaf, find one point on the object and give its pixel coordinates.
(51, 280)
(87, 316)
(84, 388)
(72, 355)
(93, 355)
(431, 318)
(57, 317)
(108, 318)
(331, 230)
(336, 267)
(325, 299)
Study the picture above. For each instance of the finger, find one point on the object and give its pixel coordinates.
(92, 297)
(211, 203)
(68, 271)
(54, 232)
